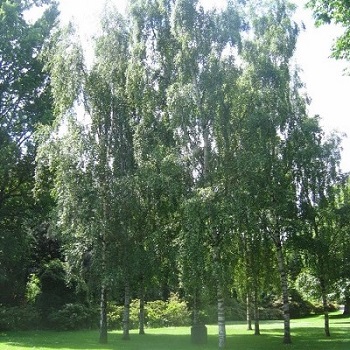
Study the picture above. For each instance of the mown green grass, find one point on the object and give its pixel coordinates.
(307, 334)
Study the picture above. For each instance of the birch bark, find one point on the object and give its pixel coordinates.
(103, 315)
(221, 318)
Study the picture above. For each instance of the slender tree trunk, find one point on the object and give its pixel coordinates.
(249, 312)
(142, 314)
(103, 179)
(103, 315)
(221, 318)
(285, 295)
(206, 150)
(256, 312)
(325, 309)
(103, 296)
(126, 313)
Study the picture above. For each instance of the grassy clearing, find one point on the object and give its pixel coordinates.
(307, 334)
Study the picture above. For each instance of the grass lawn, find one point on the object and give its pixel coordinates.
(307, 334)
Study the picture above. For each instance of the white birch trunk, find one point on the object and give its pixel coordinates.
(221, 319)
(249, 312)
(103, 315)
(103, 296)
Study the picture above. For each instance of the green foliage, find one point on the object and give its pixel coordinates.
(308, 286)
(55, 291)
(25, 101)
(298, 306)
(33, 288)
(338, 12)
(158, 313)
(182, 106)
(17, 318)
(173, 312)
(115, 316)
(234, 311)
(273, 313)
(73, 317)
(177, 313)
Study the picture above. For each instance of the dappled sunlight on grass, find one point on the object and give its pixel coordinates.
(307, 334)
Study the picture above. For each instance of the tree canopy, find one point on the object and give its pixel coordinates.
(179, 161)
(25, 102)
(338, 12)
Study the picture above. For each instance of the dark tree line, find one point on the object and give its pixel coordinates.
(25, 102)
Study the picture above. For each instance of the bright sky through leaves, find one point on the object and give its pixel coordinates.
(326, 84)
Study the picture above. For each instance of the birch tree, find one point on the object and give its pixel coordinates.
(161, 177)
(195, 99)
(268, 107)
(320, 185)
(105, 152)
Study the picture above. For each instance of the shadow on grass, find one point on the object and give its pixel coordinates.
(340, 317)
(304, 338)
(88, 340)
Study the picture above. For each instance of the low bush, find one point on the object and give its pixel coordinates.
(236, 310)
(208, 314)
(19, 318)
(173, 312)
(270, 314)
(317, 308)
(158, 313)
(73, 317)
(114, 316)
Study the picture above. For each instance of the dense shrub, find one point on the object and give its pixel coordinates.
(317, 308)
(299, 307)
(272, 313)
(73, 317)
(236, 311)
(158, 313)
(209, 314)
(19, 318)
(134, 314)
(115, 315)
(176, 312)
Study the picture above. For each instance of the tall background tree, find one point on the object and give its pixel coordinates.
(25, 101)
